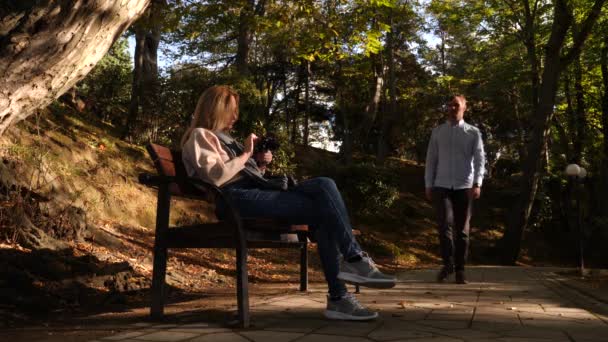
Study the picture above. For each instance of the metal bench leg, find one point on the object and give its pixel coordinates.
(158, 283)
(357, 289)
(304, 267)
(160, 253)
(242, 286)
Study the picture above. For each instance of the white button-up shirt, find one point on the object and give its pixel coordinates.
(455, 158)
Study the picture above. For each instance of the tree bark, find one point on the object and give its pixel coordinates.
(530, 43)
(387, 120)
(47, 46)
(296, 112)
(145, 88)
(138, 62)
(307, 103)
(286, 103)
(580, 118)
(570, 121)
(543, 113)
(604, 170)
(371, 110)
(150, 88)
(245, 33)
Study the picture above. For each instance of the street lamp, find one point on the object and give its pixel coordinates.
(573, 170)
(576, 175)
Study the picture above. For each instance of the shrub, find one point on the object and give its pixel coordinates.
(368, 190)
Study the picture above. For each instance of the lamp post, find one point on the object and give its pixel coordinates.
(576, 175)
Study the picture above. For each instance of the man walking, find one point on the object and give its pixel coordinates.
(453, 175)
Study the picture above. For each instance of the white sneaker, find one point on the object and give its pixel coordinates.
(365, 273)
(348, 308)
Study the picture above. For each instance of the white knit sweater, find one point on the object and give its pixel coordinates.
(204, 158)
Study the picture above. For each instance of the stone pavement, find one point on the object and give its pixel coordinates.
(505, 304)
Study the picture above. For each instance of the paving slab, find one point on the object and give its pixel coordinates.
(221, 337)
(500, 304)
(271, 336)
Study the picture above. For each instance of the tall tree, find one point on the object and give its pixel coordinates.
(146, 84)
(247, 18)
(47, 46)
(387, 119)
(557, 56)
(604, 118)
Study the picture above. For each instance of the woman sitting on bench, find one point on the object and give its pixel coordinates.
(210, 153)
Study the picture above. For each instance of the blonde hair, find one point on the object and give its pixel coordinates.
(214, 110)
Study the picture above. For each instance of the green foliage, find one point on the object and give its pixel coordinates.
(378, 196)
(107, 88)
(283, 158)
(377, 246)
(368, 190)
(181, 88)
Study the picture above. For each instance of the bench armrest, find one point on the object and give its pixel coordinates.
(205, 189)
(154, 180)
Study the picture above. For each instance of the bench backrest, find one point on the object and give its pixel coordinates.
(169, 163)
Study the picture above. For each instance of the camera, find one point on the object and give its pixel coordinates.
(268, 142)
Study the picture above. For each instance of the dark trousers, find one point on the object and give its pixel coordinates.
(453, 215)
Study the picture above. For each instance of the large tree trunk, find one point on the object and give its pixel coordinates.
(604, 170)
(145, 88)
(150, 89)
(580, 118)
(296, 111)
(388, 118)
(555, 62)
(47, 46)
(138, 62)
(245, 33)
(529, 32)
(371, 109)
(307, 103)
(286, 102)
(569, 139)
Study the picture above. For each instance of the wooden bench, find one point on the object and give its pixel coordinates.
(230, 232)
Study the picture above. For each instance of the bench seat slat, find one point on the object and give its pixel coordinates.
(216, 234)
(224, 242)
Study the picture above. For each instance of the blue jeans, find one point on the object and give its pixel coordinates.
(315, 202)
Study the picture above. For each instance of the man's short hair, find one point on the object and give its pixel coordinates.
(459, 96)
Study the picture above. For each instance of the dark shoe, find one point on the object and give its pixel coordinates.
(443, 274)
(460, 278)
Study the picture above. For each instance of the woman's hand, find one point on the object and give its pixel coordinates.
(262, 159)
(250, 144)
